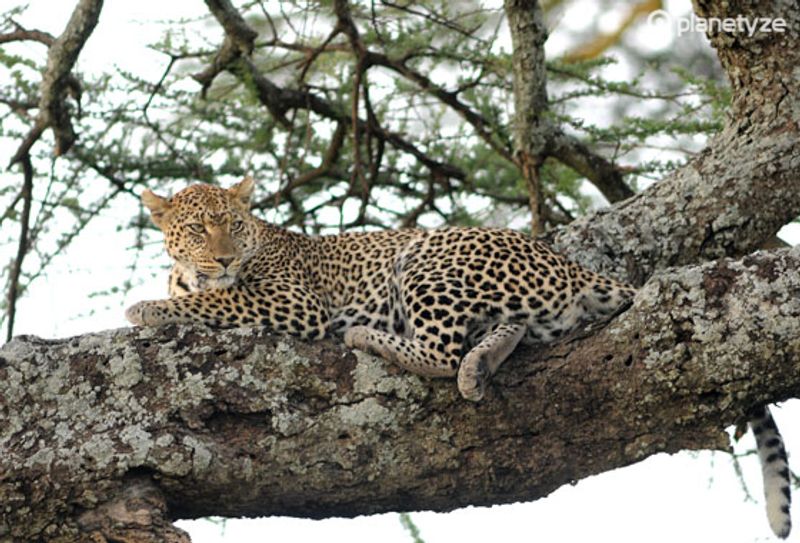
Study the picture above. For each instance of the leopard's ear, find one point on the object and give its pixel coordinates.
(157, 205)
(243, 191)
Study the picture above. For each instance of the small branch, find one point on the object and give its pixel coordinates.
(603, 42)
(346, 24)
(328, 162)
(22, 247)
(239, 41)
(33, 136)
(9, 212)
(280, 100)
(85, 157)
(23, 34)
(19, 106)
(479, 123)
(410, 220)
(154, 125)
(437, 19)
(602, 173)
(313, 53)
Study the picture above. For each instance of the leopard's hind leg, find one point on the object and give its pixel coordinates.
(485, 358)
(426, 354)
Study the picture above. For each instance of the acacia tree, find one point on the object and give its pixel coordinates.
(112, 435)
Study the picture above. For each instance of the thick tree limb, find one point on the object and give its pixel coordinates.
(760, 66)
(242, 422)
(738, 193)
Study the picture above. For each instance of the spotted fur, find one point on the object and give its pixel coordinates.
(440, 303)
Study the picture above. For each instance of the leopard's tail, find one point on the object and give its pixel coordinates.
(775, 470)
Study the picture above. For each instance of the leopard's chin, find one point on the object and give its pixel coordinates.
(205, 281)
(224, 282)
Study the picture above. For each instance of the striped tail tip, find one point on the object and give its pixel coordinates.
(775, 471)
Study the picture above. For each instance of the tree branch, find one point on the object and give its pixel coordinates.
(602, 42)
(477, 121)
(22, 247)
(56, 80)
(599, 171)
(239, 40)
(726, 202)
(23, 34)
(528, 34)
(763, 92)
(325, 167)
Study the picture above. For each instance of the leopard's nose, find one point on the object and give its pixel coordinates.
(225, 261)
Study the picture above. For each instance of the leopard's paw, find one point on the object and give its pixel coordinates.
(473, 375)
(135, 314)
(144, 314)
(357, 337)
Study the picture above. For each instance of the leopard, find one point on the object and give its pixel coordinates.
(446, 302)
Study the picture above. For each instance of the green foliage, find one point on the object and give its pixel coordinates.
(677, 121)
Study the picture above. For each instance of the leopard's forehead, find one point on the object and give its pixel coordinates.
(203, 200)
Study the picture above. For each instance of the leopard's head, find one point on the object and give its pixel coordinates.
(208, 230)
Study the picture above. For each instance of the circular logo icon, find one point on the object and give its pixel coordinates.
(659, 17)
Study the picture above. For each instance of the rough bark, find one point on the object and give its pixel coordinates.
(528, 34)
(242, 422)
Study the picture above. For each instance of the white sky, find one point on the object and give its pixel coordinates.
(694, 497)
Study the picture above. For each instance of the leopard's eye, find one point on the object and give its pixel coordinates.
(237, 225)
(196, 227)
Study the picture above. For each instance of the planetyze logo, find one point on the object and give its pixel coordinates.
(737, 25)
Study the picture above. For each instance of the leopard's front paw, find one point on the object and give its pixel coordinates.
(143, 314)
(472, 378)
(357, 337)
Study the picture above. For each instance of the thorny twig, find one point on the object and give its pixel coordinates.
(22, 247)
